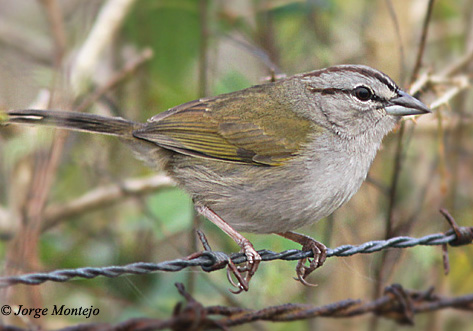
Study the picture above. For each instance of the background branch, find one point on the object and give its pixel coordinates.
(101, 197)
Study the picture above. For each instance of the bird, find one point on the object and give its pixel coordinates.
(266, 159)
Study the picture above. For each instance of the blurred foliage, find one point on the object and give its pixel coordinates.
(172, 30)
(240, 43)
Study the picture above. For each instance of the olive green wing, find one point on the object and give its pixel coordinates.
(233, 128)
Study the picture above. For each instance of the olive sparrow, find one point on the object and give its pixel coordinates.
(267, 159)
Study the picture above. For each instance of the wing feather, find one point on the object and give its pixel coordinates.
(229, 128)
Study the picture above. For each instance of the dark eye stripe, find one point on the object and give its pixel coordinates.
(332, 90)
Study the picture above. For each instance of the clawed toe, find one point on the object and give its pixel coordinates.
(308, 244)
(243, 274)
(320, 254)
(242, 284)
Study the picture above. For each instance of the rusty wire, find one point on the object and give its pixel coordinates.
(211, 260)
(397, 304)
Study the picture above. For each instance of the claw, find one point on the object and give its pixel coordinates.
(237, 272)
(232, 269)
(308, 244)
(249, 269)
(320, 254)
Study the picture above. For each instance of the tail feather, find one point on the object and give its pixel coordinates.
(115, 126)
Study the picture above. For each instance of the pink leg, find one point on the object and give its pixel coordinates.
(251, 254)
(308, 243)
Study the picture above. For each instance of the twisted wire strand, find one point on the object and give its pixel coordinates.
(211, 260)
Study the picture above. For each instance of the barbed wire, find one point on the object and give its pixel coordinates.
(212, 260)
(397, 304)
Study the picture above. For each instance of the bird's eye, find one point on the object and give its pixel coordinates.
(363, 93)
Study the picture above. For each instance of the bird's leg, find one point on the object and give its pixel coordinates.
(319, 250)
(252, 255)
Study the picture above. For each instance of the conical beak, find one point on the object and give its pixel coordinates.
(406, 104)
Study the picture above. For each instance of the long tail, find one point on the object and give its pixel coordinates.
(115, 126)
